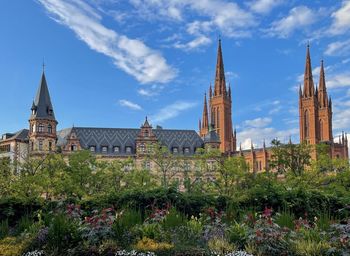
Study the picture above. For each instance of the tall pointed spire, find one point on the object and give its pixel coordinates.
(205, 123)
(322, 96)
(42, 106)
(220, 83)
(309, 89)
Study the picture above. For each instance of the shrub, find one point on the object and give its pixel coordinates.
(173, 219)
(147, 244)
(238, 234)
(123, 224)
(285, 219)
(24, 223)
(220, 246)
(98, 226)
(11, 246)
(62, 233)
(311, 248)
(4, 228)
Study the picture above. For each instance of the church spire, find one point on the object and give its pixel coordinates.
(205, 124)
(309, 89)
(322, 96)
(220, 83)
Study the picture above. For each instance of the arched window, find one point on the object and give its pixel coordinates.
(49, 128)
(321, 130)
(213, 118)
(306, 124)
(217, 118)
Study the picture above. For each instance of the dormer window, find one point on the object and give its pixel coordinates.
(175, 150)
(92, 148)
(128, 150)
(186, 150)
(104, 149)
(116, 149)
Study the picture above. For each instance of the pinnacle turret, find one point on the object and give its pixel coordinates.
(220, 83)
(309, 89)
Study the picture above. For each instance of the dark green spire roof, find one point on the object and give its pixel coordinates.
(42, 106)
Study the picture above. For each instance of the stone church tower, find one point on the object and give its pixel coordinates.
(220, 109)
(315, 108)
(42, 122)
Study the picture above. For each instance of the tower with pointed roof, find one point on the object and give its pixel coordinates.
(42, 121)
(308, 106)
(220, 105)
(324, 109)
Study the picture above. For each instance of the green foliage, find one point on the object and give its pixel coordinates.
(62, 233)
(24, 223)
(290, 157)
(238, 234)
(4, 228)
(173, 219)
(285, 219)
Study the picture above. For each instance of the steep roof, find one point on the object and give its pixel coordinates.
(124, 137)
(21, 135)
(42, 106)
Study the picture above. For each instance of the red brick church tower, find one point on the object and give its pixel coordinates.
(315, 113)
(220, 109)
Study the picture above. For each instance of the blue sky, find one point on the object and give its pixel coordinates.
(109, 63)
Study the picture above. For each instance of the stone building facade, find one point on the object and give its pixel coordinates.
(215, 128)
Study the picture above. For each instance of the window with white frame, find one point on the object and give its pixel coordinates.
(104, 149)
(116, 149)
(92, 148)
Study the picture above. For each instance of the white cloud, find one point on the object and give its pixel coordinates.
(338, 48)
(130, 55)
(147, 93)
(225, 16)
(338, 80)
(197, 42)
(172, 110)
(258, 122)
(298, 17)
(341, 19)
(258, 134)
(264, 6)
(130, 105)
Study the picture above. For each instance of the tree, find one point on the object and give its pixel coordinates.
(165, 162)
(290, 157)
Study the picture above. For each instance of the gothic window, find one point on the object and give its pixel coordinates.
(306, 124)
(49, 128)
(41, 128)
(213, 117)
(104, 149)
(321, 130)
(217, 118)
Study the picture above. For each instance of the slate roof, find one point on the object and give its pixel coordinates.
(42, 106)
(126, 137)
(212, 137)
(21, 135)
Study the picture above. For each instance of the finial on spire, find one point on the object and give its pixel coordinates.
(43, 65)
